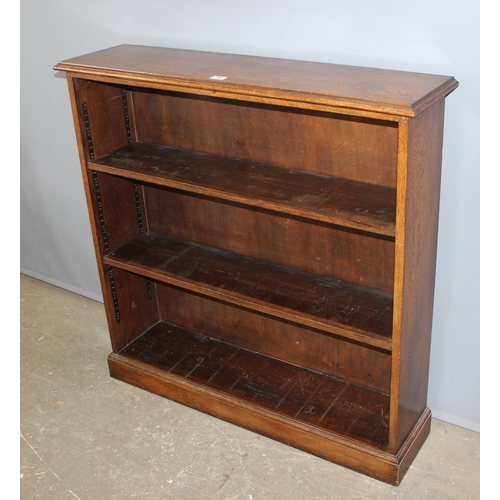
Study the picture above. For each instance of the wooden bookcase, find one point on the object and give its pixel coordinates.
(265, 233)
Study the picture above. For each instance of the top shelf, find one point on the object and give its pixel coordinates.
(323, 198)
(296, 83)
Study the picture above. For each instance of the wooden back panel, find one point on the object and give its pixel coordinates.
(324, 249)
(301, 346)
(343, 146)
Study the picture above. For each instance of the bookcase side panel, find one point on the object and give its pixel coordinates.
(102, 116)
(83, 152)
(118, 206)
(425, 139)
(114, 208)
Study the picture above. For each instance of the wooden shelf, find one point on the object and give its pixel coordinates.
(328, 199)
(252, 78)
(354, 312)
(307, 397)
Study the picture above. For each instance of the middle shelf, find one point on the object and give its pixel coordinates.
(351, 311)
(348, 203)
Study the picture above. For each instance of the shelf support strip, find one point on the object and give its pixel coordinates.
(136, 186)
(100, 211)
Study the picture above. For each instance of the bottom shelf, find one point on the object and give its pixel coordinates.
(283, 391)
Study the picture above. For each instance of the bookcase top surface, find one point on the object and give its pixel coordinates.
(267, 79)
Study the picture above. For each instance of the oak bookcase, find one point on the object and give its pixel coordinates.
(265, 232)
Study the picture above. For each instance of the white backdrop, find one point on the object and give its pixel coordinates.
(431, 36)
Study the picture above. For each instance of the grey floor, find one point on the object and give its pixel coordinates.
(89, 437)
